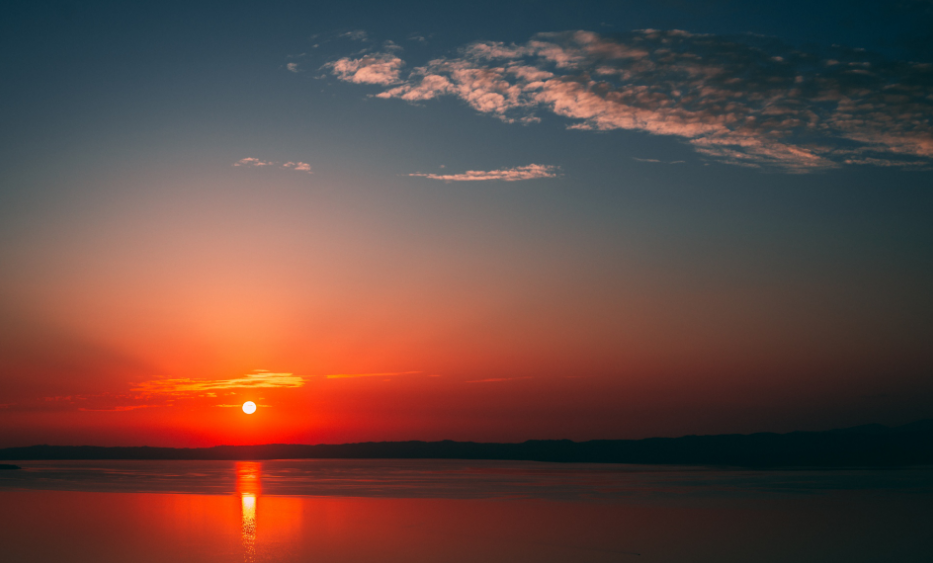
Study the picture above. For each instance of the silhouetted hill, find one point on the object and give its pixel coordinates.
(869, 445)
(8, 466)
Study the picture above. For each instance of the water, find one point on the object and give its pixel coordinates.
(458, 511)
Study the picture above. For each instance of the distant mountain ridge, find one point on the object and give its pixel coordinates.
(871, 445)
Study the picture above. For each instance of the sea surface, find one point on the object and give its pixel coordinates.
(416, 511)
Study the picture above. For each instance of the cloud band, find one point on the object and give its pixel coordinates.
(529, 172)
(746, 101)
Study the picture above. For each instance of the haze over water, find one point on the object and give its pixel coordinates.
(425, 510)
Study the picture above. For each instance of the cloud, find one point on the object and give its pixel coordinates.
(299, 166)
(377, 68)
(165, 392)
(249, 161)
(748, 101)
(355, 35)
(498, 379)
(392, 46)
(122, 408)
(255, 162)
(258, 380)
(383, 374)
(293, 67)
(656, 161)
(529, 172)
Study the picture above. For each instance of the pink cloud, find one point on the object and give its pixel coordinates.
(299, 166)
(249, 161)
(731, 101)
(377, 68)
(529, 172)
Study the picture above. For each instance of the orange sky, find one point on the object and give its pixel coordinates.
(152, 326)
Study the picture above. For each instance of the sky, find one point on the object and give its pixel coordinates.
(489, 221)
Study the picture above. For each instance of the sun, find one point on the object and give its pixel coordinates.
(249, 407)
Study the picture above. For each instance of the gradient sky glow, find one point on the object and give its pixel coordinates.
(493, 221)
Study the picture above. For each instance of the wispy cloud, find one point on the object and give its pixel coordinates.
(656, 161)
(121, 408)
(167, 392)
(498, 379)
(255, 162)
(250, 161)
(381, 374)
(299, 166)
(355, 35)
(529, 172)
(392, 46)
(746, 101)
(186, 386)
(293, 67)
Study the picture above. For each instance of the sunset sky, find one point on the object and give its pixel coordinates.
(492, 221)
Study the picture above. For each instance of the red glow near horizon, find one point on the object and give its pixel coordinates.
(413, 357)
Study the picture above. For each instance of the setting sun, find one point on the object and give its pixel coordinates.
(249, 407)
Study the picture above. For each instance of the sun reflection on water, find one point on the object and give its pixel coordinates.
(249, 527)
(248, 487)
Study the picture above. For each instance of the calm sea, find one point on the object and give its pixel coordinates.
(458, 511)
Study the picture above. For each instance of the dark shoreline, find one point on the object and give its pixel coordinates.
(863, 446)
